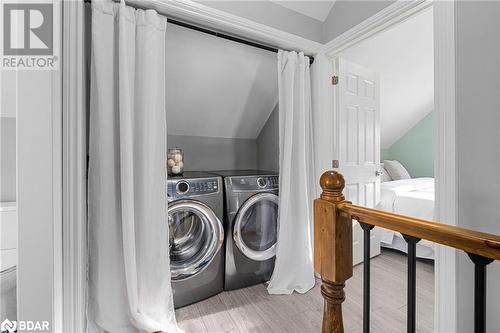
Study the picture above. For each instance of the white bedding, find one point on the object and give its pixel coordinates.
(413, 197)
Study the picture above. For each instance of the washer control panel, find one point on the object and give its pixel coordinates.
(254, 183)
(192, 187)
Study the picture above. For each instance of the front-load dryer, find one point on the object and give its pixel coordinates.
(195, 212)
(251, 223)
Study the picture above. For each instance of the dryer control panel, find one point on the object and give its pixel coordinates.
(254, 183)
(192, 187)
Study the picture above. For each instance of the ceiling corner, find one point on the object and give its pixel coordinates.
(315, 9)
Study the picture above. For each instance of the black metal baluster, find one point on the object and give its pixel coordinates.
(412, 283)
(480, 263)
(366, 275)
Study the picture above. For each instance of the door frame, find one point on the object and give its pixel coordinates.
(38, 113)
(445, 166)
(74, 126)
(74, 167)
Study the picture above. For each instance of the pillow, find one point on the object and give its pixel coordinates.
(385, 175)
(396, 170)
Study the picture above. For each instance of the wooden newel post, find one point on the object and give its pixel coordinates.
(332, 249)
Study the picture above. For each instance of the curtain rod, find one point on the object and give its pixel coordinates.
(216, 33)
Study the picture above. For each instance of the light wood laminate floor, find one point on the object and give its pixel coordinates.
(254, 310)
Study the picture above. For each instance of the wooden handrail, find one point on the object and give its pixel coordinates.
(333, 217)
(480, 243)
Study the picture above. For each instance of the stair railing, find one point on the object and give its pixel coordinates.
(333, 217)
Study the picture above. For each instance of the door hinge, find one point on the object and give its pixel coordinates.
(335, 80)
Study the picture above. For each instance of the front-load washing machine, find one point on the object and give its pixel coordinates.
(251, 223)
(195, 212)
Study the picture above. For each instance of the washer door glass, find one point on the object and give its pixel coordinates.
(255, 228)
(196, 236)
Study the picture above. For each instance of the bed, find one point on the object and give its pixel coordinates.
(413, 197)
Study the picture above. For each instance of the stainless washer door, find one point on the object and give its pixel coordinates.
(255, 227)
(196, 236)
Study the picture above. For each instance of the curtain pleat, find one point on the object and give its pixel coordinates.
(129, 268)
(294, 260)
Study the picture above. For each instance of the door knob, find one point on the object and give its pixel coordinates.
(378, 173)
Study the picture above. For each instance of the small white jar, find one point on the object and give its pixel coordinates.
(175, 161)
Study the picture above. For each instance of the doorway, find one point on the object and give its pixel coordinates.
(385, 101)
(443, 128)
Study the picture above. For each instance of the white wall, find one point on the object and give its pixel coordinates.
(38, 181)
(8, 94)
(216, 87)
(478, 137)
(7, 159)
(7, 136)
(268, 143)
(210, 154)
(345, 14)
(273, 15)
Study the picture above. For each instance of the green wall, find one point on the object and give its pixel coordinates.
(415, 149)
(384, 154)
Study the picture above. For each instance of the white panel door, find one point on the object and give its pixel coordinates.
(357, 135)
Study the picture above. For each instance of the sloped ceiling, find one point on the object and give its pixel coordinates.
(404, 58)
(217, 88)
(318, 10)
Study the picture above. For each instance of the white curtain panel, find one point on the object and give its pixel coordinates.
(294, 259)
(129, 272)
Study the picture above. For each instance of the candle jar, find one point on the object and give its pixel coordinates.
(175, 161)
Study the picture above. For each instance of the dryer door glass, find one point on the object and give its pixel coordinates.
(196, 235)
(255, 228)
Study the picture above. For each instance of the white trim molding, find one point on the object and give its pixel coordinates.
(191, 11)
(74, 168)
(445, 310)
(57, 198)
(39, 193)
(387, 17)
